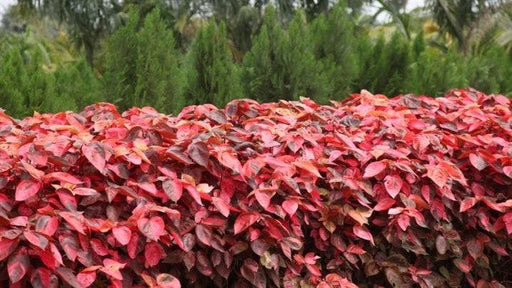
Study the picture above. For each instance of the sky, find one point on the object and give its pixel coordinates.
(411, 4)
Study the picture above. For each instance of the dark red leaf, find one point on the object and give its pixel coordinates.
(173, 189)
(153, 253)
(199, 152)
(95, 154)
(253, 273)
(68, 277)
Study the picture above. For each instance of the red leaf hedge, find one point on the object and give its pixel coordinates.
(409, 191)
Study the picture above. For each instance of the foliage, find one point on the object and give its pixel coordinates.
(142, 65)
(333, 37)
(212, 76)
(403, 192)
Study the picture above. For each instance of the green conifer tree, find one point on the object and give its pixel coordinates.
(159, 79)
(120, 76)
(307, 77)
(334, 42)
(212, 75)
(265, 75)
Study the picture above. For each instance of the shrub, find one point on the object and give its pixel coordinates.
(409, 191)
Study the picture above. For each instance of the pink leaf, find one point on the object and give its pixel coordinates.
(363, 233)
(26, 189)
(374, 169)
(244, 221)
(122, 234)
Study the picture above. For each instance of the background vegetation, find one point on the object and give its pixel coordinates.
(60, 55)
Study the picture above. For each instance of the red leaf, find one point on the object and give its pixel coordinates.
(112, 268)
(229, 161)
(290, 206)
(462, 265)
(477, 161)
(374, 169)
(36, 173)
(87, 278)
(384, 204)
(67, 199)
(36, 239)
(438, 174)
(393, 184)
(47, 225)
(26, 189)
(173, 189)
(508, 171)
(221, 205)
(308, 166)
(467, 203)
(153, 253)
(63, 177)
(204, 235)
(244, 221)
(507, 219)
(152, 228)
(363, 233)
(167, 281)
(253, 273)
(263, 198)
(17, 267)
(68, 276)
(199, 152)
(75, 221)
(122, 234)
(7, 247)
(95, 153)
(40, 278)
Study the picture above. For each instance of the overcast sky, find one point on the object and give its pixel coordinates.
(410, 5)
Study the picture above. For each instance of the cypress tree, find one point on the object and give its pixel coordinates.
(78, 82)
(334, 40)
(11, 70)
(265, 73)
(120, 64)
(142, 65)
(159, 79)
(307, 77)
(212, 75)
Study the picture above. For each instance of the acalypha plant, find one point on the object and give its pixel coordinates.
(369, 192)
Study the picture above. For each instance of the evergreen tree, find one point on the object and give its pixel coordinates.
(212, 75)
(418, 46)
(334, 46)
(265, 74)
(120, 64)
(159, 79)
(78, 82)
(142, 66)
(307, 77)
(11, 70)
